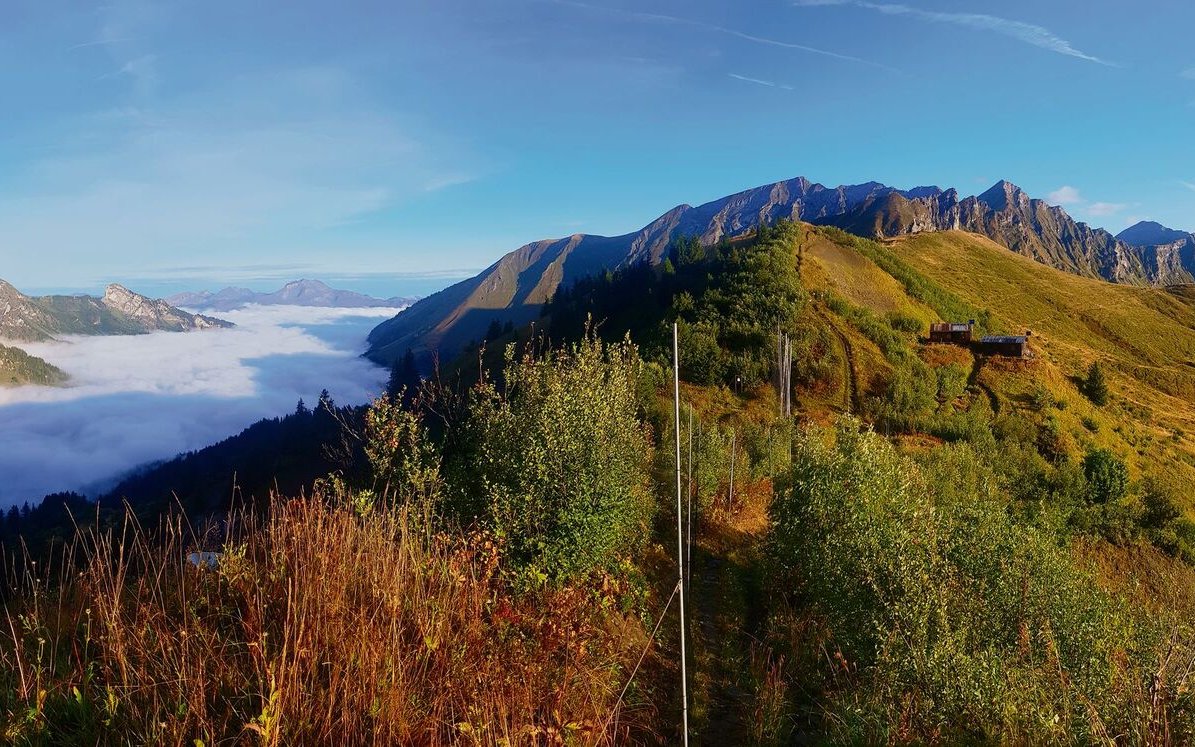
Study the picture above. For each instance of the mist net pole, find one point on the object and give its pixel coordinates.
(689, 506)
(680, 536)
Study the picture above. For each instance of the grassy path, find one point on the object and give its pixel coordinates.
(729, 611)
(850, 385)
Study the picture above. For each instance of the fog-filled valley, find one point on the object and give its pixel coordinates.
(138, 399)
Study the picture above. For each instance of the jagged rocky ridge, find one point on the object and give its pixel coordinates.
(119, 312)
(294, 293)
(516, 286)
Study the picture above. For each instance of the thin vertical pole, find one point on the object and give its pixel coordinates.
(730, 495)
(680, 546)
(689, 508)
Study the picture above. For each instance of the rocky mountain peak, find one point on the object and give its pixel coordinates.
(305, 284)
(7, 291)
(1004, 195)
(118, 295)
(1151, 233)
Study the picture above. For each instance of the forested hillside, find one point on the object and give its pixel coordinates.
(18, 368)
(939, 545)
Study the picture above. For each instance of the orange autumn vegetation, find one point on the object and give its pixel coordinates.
(322, 624)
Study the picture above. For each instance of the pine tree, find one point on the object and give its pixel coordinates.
(301, 408)
(404, 378)
(1095, 387)
(494, 331)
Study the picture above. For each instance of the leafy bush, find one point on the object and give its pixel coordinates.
(952, 382)
(1107, 476)
(1041, 398)
(556, 462)
(949, 620)
(405, 464)
(904, 323)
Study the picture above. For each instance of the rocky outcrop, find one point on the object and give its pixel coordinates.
(154, 314)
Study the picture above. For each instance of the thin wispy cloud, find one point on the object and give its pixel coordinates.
(760, 82)
(1189, 73)
(1065, 195)
(1105, 209)
(143, 71)
(1072, 198)
(1029, 33)
(1188, 185)
(754, 38)
(100, 43)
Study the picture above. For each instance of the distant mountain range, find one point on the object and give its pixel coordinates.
(516, 286)
(119, 312)
(295, 293)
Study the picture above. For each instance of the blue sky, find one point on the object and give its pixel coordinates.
(391, 146)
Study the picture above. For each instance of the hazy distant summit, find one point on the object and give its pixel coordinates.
(516, 286)
(295, 293)
(119, 312)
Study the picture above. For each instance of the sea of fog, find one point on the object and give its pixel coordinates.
(134, 400)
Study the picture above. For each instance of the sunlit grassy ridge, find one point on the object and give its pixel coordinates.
(1145, 337)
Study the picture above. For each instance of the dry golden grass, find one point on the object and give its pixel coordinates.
(320, 626)
(830, 266)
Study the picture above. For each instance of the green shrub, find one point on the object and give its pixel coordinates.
(404, 462)
(1041, 398)
(557, 462)
(1095, 386)
(904, 323)
(1107, 476)
(959, 623)
(952, 382)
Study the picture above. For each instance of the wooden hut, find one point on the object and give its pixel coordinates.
(1009, 346)
(955, 333)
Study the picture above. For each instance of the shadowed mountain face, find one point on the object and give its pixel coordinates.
(119, 312)
(295, 293)
(515, 288)
(1150, 233)
(1170, 254)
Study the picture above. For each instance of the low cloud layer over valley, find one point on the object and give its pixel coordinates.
(138, 399)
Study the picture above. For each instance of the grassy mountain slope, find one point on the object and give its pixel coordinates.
(18, 367)
(1145, 338)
